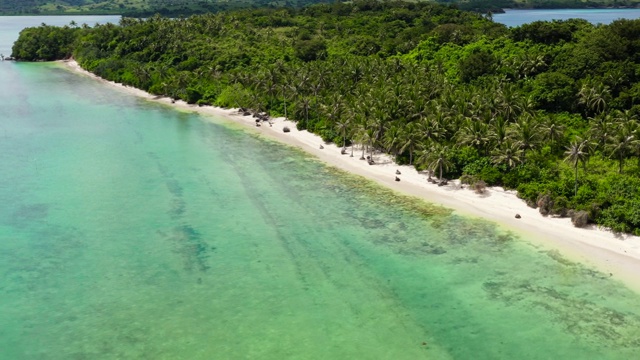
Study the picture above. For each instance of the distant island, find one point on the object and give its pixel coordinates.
(175, 8)
(549, 108)
(139, 8)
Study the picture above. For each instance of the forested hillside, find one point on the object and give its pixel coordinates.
(138, 8)
(175, 8)
(550, 108)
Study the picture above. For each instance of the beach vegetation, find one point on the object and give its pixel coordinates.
(550, 109)
(178, 8)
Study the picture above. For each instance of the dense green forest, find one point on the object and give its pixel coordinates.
(549, 108)
(175, 8)
(139, 8)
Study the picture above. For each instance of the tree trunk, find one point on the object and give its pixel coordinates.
(575, 190)
(621, 163)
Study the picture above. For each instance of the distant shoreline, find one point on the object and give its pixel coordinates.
(496, 10)
(614, 254)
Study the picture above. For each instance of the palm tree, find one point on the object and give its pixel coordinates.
(343, 126)
(361, 136)
(436, 158)
(409, 139)
(627, 122)
(576, 153)
(358, 120)
(285, 86)
(474, 133)
(552, 131)
(621, 143)
(509, 154)
(370, 138)
(594, 97)
(304, 105)
(392, 140)
(498, 130)
(600, 129)
(508, 98)
(525, 132)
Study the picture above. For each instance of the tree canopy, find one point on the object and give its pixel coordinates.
(550, 108)
(175, 8)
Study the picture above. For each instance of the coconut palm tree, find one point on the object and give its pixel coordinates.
(621, 143)
(475, 134)
(600, 129)
(361, 137)
(437, 157)
(594, 96)
(392, 140)
(552, 131)
(509, 153)
(410, 137)
(576, 153)
(342, 126)
(525, 131)
(433, 127)
(497, 130)
(304, 105)
(508, 98)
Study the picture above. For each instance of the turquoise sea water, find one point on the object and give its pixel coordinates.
(129, 230)
(513, 18)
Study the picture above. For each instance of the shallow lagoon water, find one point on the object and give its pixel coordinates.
(512, 17)
(131, 230)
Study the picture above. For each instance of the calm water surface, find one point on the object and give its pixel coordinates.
(513, 18)
(130, 230)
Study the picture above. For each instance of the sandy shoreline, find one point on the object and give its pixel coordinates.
(604, 250)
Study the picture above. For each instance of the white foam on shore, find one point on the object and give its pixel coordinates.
(615, 254)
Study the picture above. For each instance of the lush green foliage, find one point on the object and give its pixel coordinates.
(549, 109)
(174, 8)
(137, 8)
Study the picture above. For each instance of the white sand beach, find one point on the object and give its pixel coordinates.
(615, 255)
